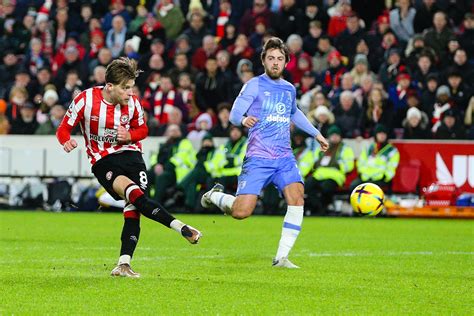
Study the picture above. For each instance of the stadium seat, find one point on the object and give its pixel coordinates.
(407, 177)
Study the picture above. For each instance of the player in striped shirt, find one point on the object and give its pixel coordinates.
(112, 123)
(266, 105)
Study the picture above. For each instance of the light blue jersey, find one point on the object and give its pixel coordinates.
(273, 102)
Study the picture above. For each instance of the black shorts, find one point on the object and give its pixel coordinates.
(126, 163)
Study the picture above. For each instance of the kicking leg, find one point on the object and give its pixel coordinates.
(132, 193)
(294, 195)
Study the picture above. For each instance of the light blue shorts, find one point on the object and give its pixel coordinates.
(257, 173)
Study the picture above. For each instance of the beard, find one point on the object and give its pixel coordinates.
(273, 73)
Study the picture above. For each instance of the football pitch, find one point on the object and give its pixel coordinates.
(59, 263)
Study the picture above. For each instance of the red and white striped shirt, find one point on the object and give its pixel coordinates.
(99, 121)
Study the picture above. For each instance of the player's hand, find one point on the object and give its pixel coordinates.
(249, 121)
(323, 142)
(69, 145)
(123, 135)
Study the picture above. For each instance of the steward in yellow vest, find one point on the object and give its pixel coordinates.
(379, 161)
(328, 171)
(175, 159)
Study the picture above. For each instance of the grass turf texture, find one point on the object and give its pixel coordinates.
(60, 264)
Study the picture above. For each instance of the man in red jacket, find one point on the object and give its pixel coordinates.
(112, 122)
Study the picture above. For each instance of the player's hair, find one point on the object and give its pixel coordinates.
(275, 43)
(121, 70)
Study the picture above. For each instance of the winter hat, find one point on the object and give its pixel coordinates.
(334, 129)
(413, 112)
(443, 90)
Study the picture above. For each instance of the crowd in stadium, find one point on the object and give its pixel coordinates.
(405, 64)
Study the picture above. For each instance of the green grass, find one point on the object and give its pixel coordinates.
(60, 264)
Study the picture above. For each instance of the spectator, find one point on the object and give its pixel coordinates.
(222, 128)
(4, 123)
(98, 77)
(361, 69)
(8, 70)
(167, 98)
(181, 45)
(347, 115)
(212, 88)
(55, 117)
(314, 12)
(149, 31)
(209, 48)
(424, 15)
(17, 98)
(139, 19)
(347, 40)
(259, 10)
(442, 104)
(321, 57)
(72, 63)
(469, 119)
(330, 169)
(35, 59)
(72, 87)
(378, 162)
(175, 117)
(47, 101)
(450, 127)
(229, 36)
(379, 111)
(209, 161)
(116, 36)
(240, 50)
(223, 64)
(398, 96)
(289, 20)
(424, 67)
(175, 159)
(310, 41)
(428, 95)
(462, 65)
(332, 76)
(338, 16)
(181, 65)
(25, 123)
(460, 93)
(391, 68)
(295, 46)
(466, 39)
(104, 57)
(117, 8)
(196, 31)
(415, 125)
(321, 118)
(185, 88)
(222, 17)
(437, 37)
(202, 127)
(171, 17)
(402, 19)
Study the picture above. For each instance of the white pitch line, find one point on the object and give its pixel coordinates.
(214, 257)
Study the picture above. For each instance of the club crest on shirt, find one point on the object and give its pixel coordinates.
(242, 184)
(124, 119)
(108, 175)
(280, 108)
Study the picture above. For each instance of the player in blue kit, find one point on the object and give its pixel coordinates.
(266, 105)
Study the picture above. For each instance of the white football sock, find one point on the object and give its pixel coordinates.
(176, 225)
(290, 231)
(223, 201)
(124, 259)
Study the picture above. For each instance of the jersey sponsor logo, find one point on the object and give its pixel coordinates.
(277, 118)
(105, 139)
(109, 175)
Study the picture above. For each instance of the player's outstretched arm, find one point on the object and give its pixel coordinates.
(302, 123)
(242, 103)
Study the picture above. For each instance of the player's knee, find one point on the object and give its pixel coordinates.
(241, 213)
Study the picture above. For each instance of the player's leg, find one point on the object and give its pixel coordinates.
(256, 173)
(288, 180)
(129, 238)
(133, 194)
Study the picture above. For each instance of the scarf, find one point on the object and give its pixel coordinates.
(161, 112)
(222, 19)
